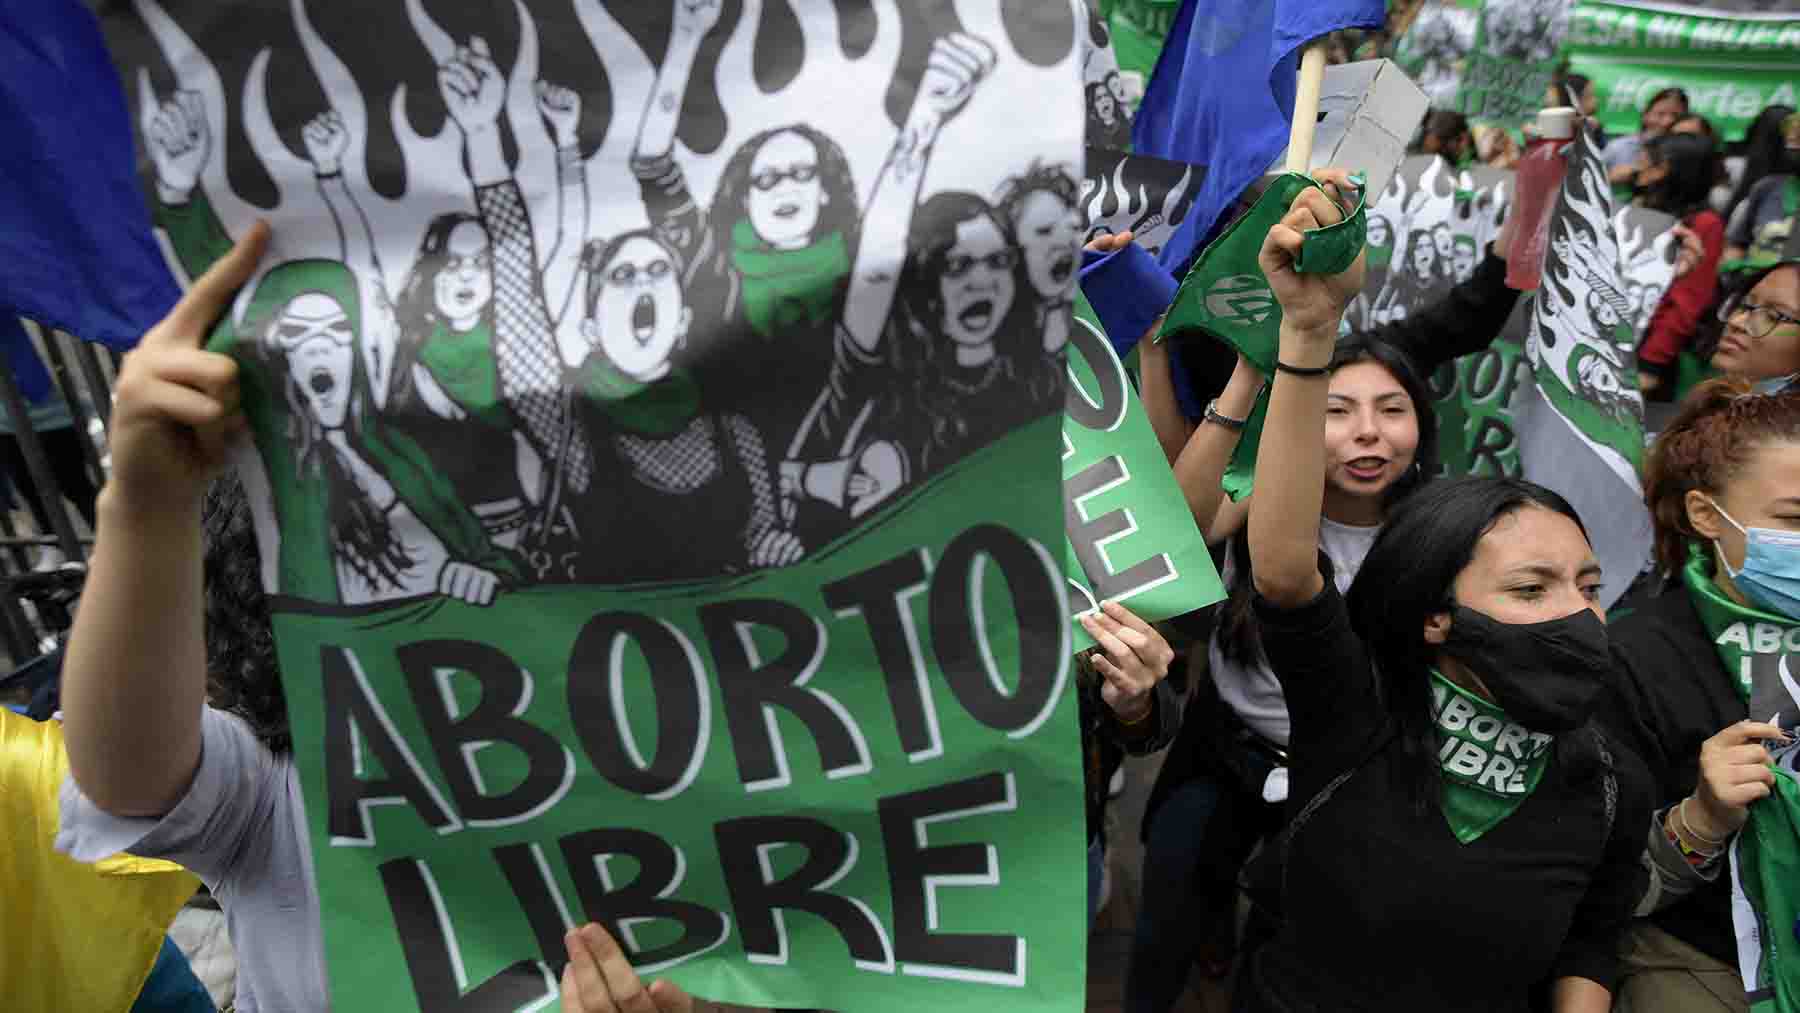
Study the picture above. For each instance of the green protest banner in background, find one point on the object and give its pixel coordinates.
(1488, 59)
(1514, 58)
(1132, 538)
(1732, 65)
(655, 472)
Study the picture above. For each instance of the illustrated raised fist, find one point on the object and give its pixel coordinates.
(957, 64)
(176, 134)
(326, 141)
(473, 89)
(562, 107)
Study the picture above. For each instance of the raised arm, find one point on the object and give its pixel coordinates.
(134, 679)
(179, 143)
(561, 107)
(327, 140)
(1200, 468)
(525, 351)
(656, 131)
(957, 64)
(1290, 473)
(1129, 292)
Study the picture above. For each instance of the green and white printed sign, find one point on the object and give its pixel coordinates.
(655, 474)
(1132, 538)
(1732, 64)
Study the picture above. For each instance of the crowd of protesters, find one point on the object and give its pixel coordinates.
(1415, 765)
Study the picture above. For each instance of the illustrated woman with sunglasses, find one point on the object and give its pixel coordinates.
(851, 452)
(362, 513)
(1040, 210)
(1761, 342)
(966, 292)
(675, 455)
(768, 261)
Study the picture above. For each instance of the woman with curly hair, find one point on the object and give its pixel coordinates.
(1702, 670)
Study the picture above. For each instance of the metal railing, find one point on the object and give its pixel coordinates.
(57, 534)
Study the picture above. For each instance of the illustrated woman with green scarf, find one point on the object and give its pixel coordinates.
(768, 264)
(445, 369)
(1708, 670)
(363, 516)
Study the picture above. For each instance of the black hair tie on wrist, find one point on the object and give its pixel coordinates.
(1302, 370)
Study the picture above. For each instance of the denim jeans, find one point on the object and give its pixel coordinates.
(1197, 840)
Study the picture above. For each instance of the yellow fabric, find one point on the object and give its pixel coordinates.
(72, 936)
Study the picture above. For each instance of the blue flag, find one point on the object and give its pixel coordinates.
(75, 237)
(1222, 94)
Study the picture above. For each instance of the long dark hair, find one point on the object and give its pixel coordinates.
(415, 312)
(921, 350)
(1240, 637)
(1692, 171)
(242, 676)
(1407, 578)
(364, 535)
(841, 213)
(1765, 151)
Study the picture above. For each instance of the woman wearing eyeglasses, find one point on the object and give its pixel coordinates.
(1761, 342)
(770, 257)
(865, 430)
(970, 301)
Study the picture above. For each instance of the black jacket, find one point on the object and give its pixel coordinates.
(1676, 695)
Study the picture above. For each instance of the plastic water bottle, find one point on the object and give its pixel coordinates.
(1540, 179)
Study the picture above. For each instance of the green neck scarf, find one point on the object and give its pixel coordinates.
(463, 365)
(1751, 643)
(785, 289)
(659, 409)
(1226, 296)
(1488, 764)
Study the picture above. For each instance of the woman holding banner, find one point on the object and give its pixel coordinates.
(174, 616)
(1704, 667)
(1442, 725)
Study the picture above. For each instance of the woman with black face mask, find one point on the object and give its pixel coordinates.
(1460, 837)
(1704, 667)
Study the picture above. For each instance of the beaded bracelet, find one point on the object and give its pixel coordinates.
(1694, 857)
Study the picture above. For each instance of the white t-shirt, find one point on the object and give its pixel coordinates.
(1252, 690)
(241, 828)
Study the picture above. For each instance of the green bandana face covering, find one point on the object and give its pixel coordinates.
(1226, 295)
(1488, 764)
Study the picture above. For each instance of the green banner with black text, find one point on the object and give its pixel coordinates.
(655, 471)
(1132, 537)
(1732, 65)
